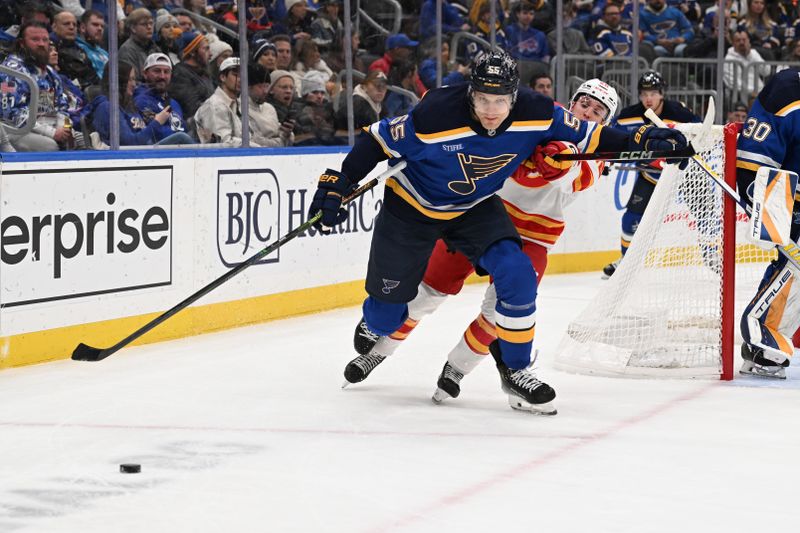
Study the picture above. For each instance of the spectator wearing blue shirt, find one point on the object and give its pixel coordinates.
(609, 38)
(523, 41)
(665, 28)
(452, 21)
(133, 130)
(427, 68)
(151, 98)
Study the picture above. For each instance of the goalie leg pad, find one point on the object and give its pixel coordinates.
(773, 200)
(772, 317)
(515, 311)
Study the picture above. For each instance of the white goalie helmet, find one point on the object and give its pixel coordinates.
(600, 91)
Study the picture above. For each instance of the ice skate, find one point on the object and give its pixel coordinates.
(360, 368)
(754, 363)
(363, 339)
(448, 385)
(525, 391)
(610, 268)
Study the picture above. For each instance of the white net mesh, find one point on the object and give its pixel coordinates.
(660, 313)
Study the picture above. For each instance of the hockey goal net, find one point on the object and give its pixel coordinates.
(672, 307)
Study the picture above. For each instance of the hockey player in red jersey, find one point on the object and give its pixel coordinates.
(535, 203)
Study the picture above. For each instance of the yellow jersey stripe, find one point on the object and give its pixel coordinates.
(794, 106)
(391, 183)
(445, 135)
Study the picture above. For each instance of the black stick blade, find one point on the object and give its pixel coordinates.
(87, 353)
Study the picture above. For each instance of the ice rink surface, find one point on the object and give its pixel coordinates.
(248, 430)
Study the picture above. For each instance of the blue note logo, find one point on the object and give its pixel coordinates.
(388, 285)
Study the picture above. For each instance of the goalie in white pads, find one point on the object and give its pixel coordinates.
(771, 137)
(535, 197)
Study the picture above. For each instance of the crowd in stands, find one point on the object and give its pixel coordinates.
(178, 67)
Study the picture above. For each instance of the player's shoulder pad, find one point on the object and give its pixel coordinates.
(781, 95)
(531, 105)
(442, 109)
(677, 112)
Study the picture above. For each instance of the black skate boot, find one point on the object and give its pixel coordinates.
(359, 368)
(448, 385)
(525, 391)
(363, 339)
(755, 363)
(610, 268)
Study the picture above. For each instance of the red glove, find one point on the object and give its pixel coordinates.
(549, 168)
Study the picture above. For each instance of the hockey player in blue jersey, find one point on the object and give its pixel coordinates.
(460, 143)
(771, 137)
(651, 88)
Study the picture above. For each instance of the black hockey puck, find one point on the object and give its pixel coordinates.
(130, 468)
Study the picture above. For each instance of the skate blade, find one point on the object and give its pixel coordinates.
(544, 409)
(439, 396)
(749, 369)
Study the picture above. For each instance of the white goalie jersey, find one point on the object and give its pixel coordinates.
(536, 205)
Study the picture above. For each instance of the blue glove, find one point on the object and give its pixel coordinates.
(651, 138)
(332, 187)
(648, 138)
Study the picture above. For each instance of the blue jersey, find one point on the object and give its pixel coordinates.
(668, 23)
(529, 44)
(608, 42)
(771, 134)
(672, 113)
(16, 94)
(149, 103)
(454, 163)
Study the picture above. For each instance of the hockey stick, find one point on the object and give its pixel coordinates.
(632, 155)
(791, 251)
(84, 352)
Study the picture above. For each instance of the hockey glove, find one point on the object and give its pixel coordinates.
(650, 138)
(333, 186)
(549, 168)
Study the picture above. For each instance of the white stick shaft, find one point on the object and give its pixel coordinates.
(699, 160)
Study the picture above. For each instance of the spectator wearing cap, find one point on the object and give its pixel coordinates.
(133, 130)
(368, 97)
(152, 97)
(265, 54)
(73, 62)
(265, 128)
(327, 30)
(283, 49)
(738, 113)
(299, 18)
(218, 119)
(140, 44)
(90, 39)
(282, 95)
(191, 84)
(398, 48)
(167, 33)
(316, 124)
(218, 51)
